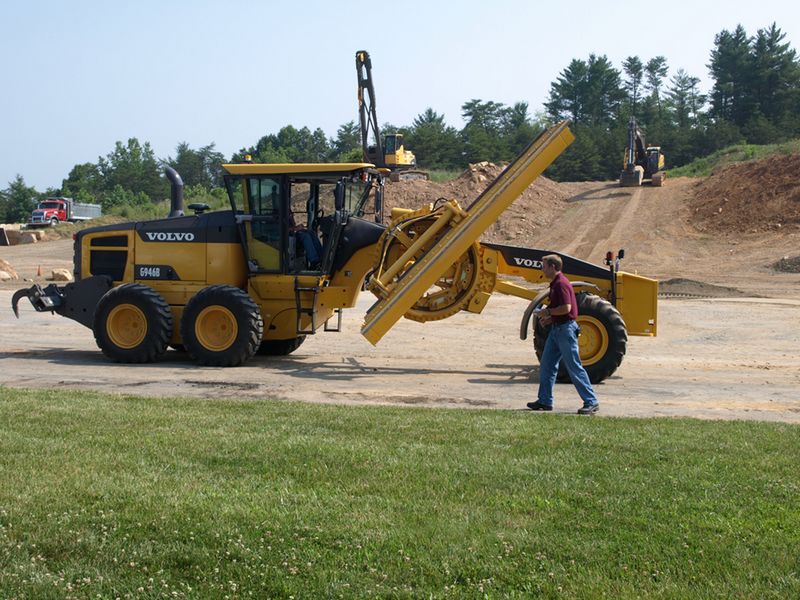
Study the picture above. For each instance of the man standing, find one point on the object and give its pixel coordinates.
(562, 343)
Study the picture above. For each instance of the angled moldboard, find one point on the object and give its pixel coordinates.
(500, 194)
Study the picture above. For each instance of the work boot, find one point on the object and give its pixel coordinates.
(539, 406)
(589, 409)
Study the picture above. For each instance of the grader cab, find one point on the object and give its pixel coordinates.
(297, 246)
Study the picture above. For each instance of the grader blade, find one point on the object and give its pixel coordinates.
(468, 228)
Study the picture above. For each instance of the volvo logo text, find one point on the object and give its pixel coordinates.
(171, 236)
(528, 262)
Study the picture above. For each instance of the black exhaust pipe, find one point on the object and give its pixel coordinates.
(176, 192)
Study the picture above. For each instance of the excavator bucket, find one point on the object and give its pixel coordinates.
(632, 178)
(500, 194)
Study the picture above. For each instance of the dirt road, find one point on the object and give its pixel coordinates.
(723, 357)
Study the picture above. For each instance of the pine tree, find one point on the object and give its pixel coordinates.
(568, 93)
(683, 101)
(482, 133)
(732, 67)
(776, 79)
(634, 71)
(135, 168)
(655, 72)
(435, 144)
(347, 144)
(198, 167)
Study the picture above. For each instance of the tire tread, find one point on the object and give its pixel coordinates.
(609, 316)
(248, 316)
(159, 327)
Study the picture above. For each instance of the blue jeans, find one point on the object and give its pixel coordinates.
(311, 245)
(562, 344)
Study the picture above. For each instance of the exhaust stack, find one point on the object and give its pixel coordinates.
(176, 192)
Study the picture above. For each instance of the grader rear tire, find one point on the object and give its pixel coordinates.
(221, 326)
(602, 342)
(280, 347)
(132, 324)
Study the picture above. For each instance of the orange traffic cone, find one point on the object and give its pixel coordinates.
(39, 271)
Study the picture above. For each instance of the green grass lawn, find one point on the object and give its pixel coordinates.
(117, 496)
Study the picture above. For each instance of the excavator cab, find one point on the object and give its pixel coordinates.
(395, 154)
(655, 165)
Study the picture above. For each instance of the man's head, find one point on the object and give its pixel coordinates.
(551, 264)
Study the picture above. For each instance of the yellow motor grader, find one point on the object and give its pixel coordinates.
(226, 285)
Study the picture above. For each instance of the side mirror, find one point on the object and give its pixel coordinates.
(338, 195)
(621, 253)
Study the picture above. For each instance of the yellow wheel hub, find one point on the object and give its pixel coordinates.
(593, 341)
(216, 328)
(126, 326)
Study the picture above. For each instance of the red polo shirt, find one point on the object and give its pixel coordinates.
(561, 293)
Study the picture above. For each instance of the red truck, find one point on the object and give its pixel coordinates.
(52, 211)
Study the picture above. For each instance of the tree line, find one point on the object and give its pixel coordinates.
(755, 98)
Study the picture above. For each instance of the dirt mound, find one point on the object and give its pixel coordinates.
(751, 197)
(697, 289)
(535, 208)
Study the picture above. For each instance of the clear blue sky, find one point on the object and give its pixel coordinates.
(78, 76)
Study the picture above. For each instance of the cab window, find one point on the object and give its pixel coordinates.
(264, 196)
(264, 232)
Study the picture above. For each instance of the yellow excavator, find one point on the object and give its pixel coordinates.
(642, 163)
(386, 151)
(226, 285)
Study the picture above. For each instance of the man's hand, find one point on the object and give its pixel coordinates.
(544, 316)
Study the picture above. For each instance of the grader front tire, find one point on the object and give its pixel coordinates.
(602, 342)
(132, 324)
(221, 326)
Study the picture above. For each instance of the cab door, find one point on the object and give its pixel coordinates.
(261, 218)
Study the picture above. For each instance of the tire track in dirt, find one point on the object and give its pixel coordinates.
(596, 220)
(621, 220)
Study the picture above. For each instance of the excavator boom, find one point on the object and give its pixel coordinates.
(387, 152)
(367, 115)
